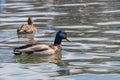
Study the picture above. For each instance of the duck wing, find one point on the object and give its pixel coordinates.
(30, 48)
(25, 46)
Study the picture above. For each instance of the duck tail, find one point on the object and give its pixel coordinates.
(16, 52)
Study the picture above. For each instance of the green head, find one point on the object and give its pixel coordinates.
(60, 36)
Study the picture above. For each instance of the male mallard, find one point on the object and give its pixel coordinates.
(42, 49)
(27, 28)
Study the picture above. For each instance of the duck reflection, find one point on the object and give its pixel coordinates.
(30, 37)
(56, 58)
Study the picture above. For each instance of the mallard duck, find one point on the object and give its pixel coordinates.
(42, 49)
(27, 28)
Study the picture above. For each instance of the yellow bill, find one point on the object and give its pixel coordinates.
(68, 39)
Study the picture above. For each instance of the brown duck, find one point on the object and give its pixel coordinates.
(27, 28)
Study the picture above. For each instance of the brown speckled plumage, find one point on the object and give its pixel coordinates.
(27, 28)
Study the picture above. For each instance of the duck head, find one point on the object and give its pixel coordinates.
(30, 20)
(60, 35)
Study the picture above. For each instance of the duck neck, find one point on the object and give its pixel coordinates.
(57, 41)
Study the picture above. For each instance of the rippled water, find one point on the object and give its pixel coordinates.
(93, 26)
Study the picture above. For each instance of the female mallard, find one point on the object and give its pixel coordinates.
(27, 28)
(42, 49)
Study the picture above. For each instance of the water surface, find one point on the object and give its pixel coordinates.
(93, 26)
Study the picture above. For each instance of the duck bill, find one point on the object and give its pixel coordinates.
(68, 39)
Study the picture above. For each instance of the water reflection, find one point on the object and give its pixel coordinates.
(25, 58)
(30, 37)
(62, 68)
(2, 5)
